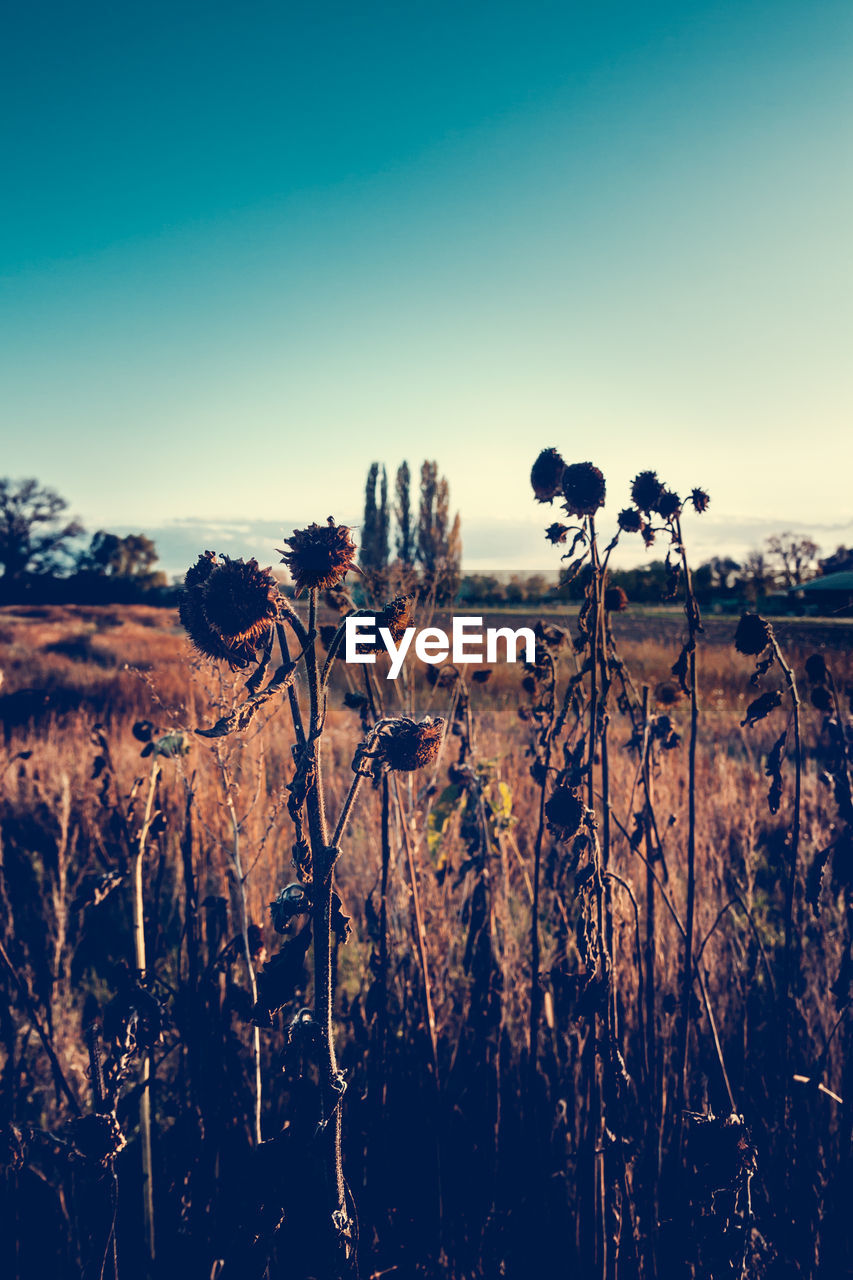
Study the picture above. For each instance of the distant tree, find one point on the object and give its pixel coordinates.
(795, 557)
(403, 514)
(756, 575)
(439, 541)
(34, 532)
(840, 561)
(383, 522)
(130, 557)
(373, 551)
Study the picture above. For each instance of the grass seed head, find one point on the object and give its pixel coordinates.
(546, 475)
(319, 556)
(584, 489)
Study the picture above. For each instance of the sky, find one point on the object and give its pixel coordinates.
(247, 249)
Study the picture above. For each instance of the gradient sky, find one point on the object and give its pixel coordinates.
(248, 248)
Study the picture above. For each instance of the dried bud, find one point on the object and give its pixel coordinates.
(228, 607)
(556, 533)
(584, 489)
(565, 811)
(547, 475)
(629, 520)
(753, 635)
(319, 556)
(288, 903)
(406, 745)
(615, 600)
(646, 489)
(700, 500)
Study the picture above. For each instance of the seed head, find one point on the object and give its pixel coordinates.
(406, 745)
(648, 534)
(646, 489)
(227, 607)
(584, 489)
(700, 500)
(240, 600)
(753, 635)
(816, 668)
(319, 556)
(821, 698)
(668, 505)
(547, 475)
(667, 694)
(397, 618)
(556, 533)
(629, 520)
(565, 811)
(615, 599)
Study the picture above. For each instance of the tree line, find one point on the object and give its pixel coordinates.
(41, 557)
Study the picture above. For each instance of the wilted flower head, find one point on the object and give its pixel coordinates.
(319, 556)
(288, 903)
(615, 599)
(228, 607)
(700, 500)
(556, 533)
(753, 635)
(584, 489)
(668, 505)
(646, 489)
(406, 745)
(396, 617)
(648, 534)
(667, 694)
(547, 475)
(629, 520)
(816, 668)
(565, 811)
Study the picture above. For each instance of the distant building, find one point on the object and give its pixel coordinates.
(831, 595)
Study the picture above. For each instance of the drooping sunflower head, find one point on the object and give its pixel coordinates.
(646, 489)
(753, 635)
(319, 556)
(228, 607)
(629, 520)
(584, 489)
(406, 745)
(546, 477)
(615, 599)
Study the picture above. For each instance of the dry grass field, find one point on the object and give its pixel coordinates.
(462, 1157)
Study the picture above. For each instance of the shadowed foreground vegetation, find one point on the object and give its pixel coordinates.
(683, 1112)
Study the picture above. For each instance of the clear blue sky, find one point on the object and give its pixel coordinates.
(248, 248)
